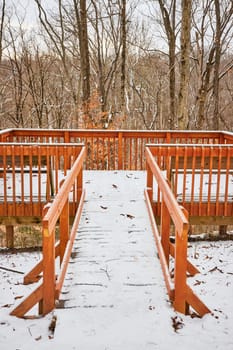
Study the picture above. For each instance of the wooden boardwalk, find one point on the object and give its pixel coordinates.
(114, 287)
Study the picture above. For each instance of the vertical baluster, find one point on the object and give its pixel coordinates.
(64, 227)
(31, 189)
(218, 179)
(210, 173)
(165, 230)
(39, 175)
(13, 179)
(193, 180)
(22, 178)
(176, 181)
(5, 185)
(136, 153)
(185, 174)
(228, 165)
(91, 154)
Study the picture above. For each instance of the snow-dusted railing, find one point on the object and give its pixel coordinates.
(201, 178)
(30, 175)
(115, 149)
(179, 292)
(56, 213)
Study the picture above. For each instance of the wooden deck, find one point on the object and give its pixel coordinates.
(188, 180)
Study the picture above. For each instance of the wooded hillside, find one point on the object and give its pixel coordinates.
(149, 64)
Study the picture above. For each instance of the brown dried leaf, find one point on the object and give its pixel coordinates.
(129, 216)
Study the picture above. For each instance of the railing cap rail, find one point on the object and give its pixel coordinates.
(44, 144)
(53, 213)
(201, 132)
(176, 213)
(189, 145)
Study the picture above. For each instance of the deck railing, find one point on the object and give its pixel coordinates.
(179, 292)
(30, 175)
(201, 178)
(56, 213)
(115, 149)
(177, 164)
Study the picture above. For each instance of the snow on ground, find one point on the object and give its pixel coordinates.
(114, 295)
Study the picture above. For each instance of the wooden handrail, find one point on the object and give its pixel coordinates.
(36, 169)
(49, 222)
(177, 215)
(116, 149)
(209, 166)
(51, 217)
(181, 295)
(47, 293)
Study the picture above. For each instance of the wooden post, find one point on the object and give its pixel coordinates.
(48, 302)
(9, 236)
(120, 160)
(165, 230)
(149, 182)
(222, 230)
(180, 304)
(80, 185)
(64, 229)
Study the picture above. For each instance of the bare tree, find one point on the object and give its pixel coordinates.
(183, 110)
(123, 53)
(56, 30)
(81, 18)
(105, 49)
(169, 18)
(213, 34)
(3, 13)
(16, 93)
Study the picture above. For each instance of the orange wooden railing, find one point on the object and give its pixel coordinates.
(179, 292)
(201, 178)
(30, 175)
(115, 149)
(177, 155)
(57, 212)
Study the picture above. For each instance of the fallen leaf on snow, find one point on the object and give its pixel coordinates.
(177, 323)
(129, 216)
(7, 305)
(216, 269)
(38, 338)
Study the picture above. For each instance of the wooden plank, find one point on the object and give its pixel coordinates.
(176, 214)
(163, 261)
(28, 302)
(10, 236)
(193, 300)
(165, 231)
(191, 269)
(68, 250)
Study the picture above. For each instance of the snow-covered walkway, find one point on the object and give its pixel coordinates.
(114, 285)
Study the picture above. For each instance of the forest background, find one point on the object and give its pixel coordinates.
(117, 64)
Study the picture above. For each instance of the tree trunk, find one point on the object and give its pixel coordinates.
(169, 21)
(123, 54)
(215, 119)
(2, 26)
(81, 17)
(183, 112)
